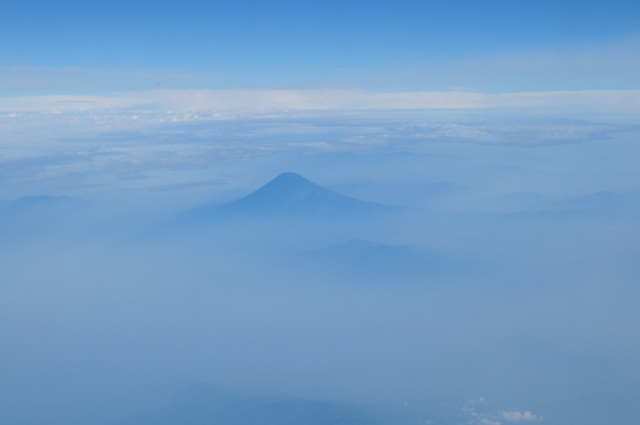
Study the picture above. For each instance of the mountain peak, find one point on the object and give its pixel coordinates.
(291, 194)
(291, 187)
(289, 176)
(290, 181)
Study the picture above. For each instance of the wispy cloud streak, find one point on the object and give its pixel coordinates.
(259, 100)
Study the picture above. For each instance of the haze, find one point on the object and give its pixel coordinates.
(321, 214)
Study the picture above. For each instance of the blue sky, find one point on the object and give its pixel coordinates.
(143, 89)
(495, 46)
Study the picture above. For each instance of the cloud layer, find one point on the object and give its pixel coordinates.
(260, 100)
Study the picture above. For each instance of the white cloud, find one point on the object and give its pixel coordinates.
(261, 101)
(479, 418)
(129, 134)
(518, 416)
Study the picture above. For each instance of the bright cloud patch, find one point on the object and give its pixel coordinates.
(518, 416)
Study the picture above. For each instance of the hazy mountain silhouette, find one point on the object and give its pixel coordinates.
(368, 261)
(35, 214)
(604, 204)
(290, 194)
(211, 406)
(402, 194)
(37, 204)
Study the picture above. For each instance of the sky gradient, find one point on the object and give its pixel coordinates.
(490, 46)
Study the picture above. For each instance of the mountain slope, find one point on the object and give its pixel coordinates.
(290, 194)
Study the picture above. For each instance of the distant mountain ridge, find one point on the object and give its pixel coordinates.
(368, 261)
(39, 208)
(39, 202)
(290, 194)
(39, 215)
(211, 406)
